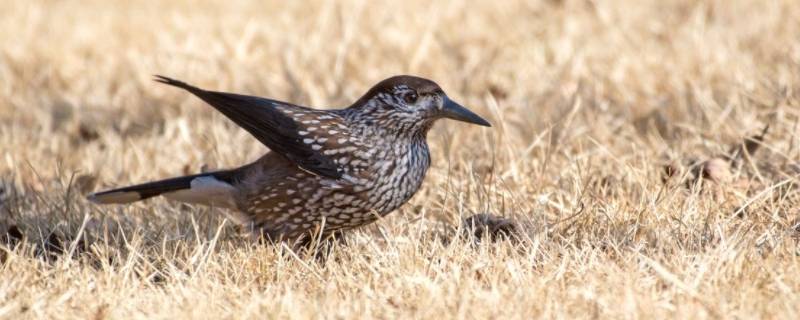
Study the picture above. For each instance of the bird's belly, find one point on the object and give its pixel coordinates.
(394, 191)
(346, 208)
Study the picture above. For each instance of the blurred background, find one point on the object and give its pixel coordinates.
(77, 86)
(629, 138)
(578, 90)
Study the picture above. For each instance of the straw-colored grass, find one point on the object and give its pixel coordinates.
(589, 101)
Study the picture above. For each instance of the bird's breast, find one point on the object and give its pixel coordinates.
(396, 176)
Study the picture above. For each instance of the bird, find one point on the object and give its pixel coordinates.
(327, 171)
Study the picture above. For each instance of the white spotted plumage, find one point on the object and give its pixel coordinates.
(341, 168)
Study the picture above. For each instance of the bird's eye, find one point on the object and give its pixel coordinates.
(410, 97)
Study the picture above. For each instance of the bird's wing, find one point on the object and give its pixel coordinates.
(309, 138)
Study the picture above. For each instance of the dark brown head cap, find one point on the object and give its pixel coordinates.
(421, 85)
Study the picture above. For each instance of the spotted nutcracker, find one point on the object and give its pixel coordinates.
(328, 170)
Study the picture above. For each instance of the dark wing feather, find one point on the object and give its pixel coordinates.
(265, 122)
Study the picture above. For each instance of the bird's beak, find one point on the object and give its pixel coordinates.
(455, 111)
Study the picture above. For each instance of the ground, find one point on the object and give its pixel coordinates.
(627, 145)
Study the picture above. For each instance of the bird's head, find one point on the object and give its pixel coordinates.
(410, 104)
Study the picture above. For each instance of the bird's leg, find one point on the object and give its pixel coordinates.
(320, 245)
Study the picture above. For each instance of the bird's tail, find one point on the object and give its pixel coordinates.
(213, 188)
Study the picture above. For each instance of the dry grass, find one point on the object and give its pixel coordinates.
(590, 99)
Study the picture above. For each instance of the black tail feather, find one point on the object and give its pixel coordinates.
(176, 83)
(155, 188)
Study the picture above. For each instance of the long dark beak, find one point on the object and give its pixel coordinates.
(455, 111)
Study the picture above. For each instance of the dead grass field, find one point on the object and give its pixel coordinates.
(590, 101)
